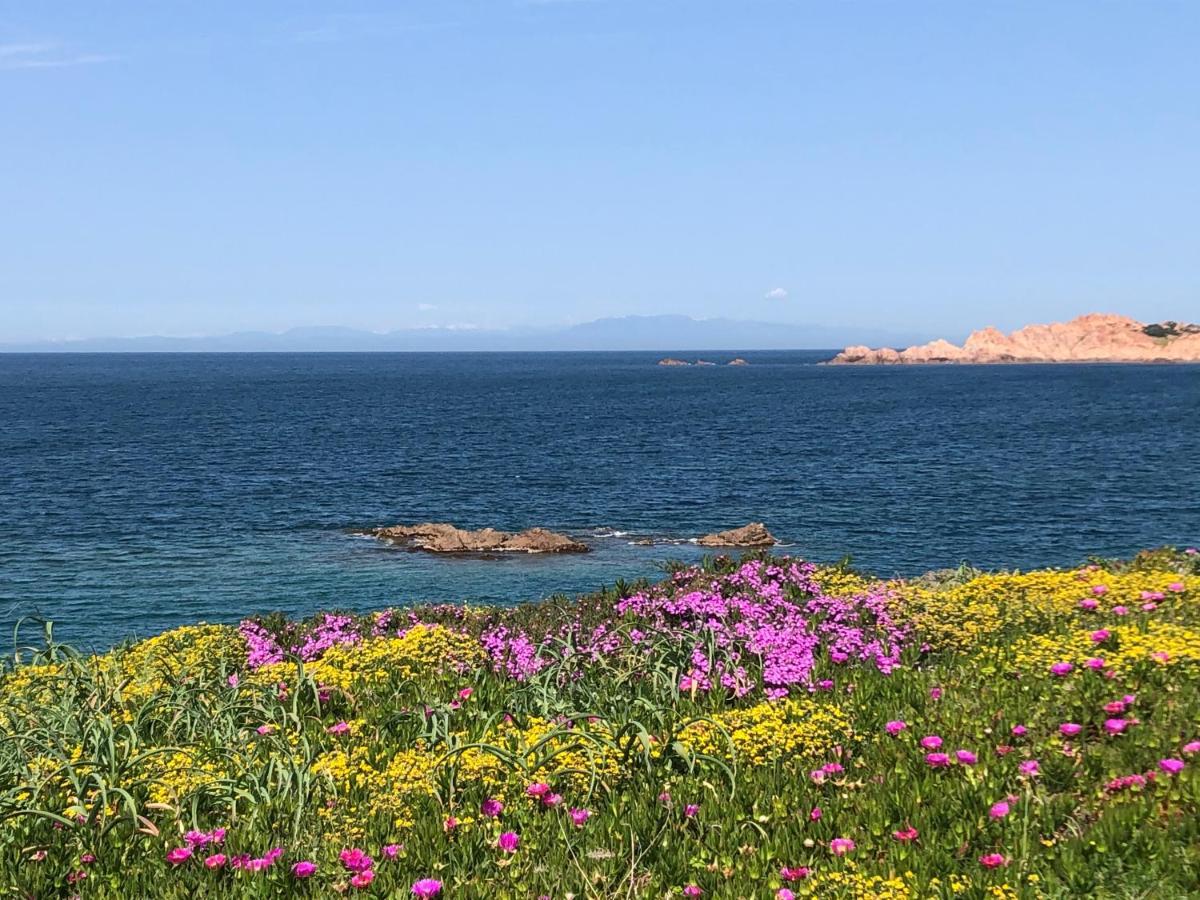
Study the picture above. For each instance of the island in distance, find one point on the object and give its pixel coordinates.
(1096, 337)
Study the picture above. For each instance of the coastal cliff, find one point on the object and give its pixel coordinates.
(1096, 337)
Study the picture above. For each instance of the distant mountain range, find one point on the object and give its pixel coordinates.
(625, 333)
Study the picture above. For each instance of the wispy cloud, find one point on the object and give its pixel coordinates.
(775, 294)
(46, 55)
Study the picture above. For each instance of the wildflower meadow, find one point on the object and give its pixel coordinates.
(754, 728)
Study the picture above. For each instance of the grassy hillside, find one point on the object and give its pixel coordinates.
(760, 729)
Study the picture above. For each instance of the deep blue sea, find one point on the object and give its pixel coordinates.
(140, 492)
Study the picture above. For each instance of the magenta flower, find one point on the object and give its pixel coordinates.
(426, 888)
(1120, 610)
(215, 861)
(999, 810)
(538, 789)
(1095, 662)
(391, 851)
(935, 693)
(1019, 730)
(895, 727)
(931, 742)
(905, 835)
(1191, 748)
(1100, 589)
(1115, 707)
(491, 807)
(355, 860)
(362, 879)
(1175, 587)
(1070, 729)
(1029, 768)
(509, 842)
(798, 873)
(816, 813)
(841, 846)
(692, 890)
(965, 757)
(1115, 726)
(1100, 635)
(1171, 766)
(579, 816)
(1061, 668)
(784, 894)
(179, 855)
(339, 728)
(304, 869)
(993, 860)
(1088, 604)
(937, 760)
(691, 810)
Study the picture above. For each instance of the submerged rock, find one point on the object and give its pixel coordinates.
(753, 535)
(671, 361)
(738, 362)
(441, 537)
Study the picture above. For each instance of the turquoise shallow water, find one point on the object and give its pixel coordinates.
(142, 492)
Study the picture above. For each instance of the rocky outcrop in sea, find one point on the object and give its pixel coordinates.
(441, 537)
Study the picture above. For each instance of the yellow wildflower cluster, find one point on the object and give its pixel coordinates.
(795, 729)
(852, 885)
(369, 784)
(423, 651)
(1164, 643)
(978, 611)
(838, 582)
(173, 777)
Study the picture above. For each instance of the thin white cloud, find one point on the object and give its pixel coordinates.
(46, 56)
(775, 294)
(426, 307)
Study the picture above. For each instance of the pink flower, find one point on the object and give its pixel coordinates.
(1100, 635)
(179, 855)
(1019, 730)
(265, 729)
(1160, 656)
(426, 888)
(88, 858)
(1061, 668)
(999, 810)
(339, 728)
(905, 835)
(355, 860)
(691, 810)
(1029, 768)
(1191, 748)
(965, 757)
(1152, 595)
(391, 851)
(841, 846)
(538, 789)
(1114, 726)
(491, 807)
(816, 813)
(692, 890)
(1120, 610)
(784, 894)
(362, 879)
(937, 760)
(232, 680)
(895, 727)
(465, 693)
(1175, 587)
(1100, 590)
(931, 742)
(1149, 606)
(215, 861)
(551, 799)
(1095, 662)
(509, 842)
(992, 861)
(1070, 729)
(935, 693)
(450, 824)
(1171, 766)
(579, 816)
(304, 869)
(799, 873)
(1088, 604)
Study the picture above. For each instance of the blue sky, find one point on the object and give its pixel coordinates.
(189, 168)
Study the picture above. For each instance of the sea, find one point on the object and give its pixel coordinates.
(142, 492)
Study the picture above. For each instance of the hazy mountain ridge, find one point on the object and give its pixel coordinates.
(666, 332)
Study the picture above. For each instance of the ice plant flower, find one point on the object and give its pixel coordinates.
(355, 860)
(931, 742)
(339, 728)
(816, 813)
(426, 888)
(1115, 726)
(993, 860)
(1171, 766)
(784, 894)
(538, 789)
(1070, 729)
(1088, 604)
(937, 760)
(579, 816)
(999, 810)
(179, 855)
(1061, 668)
(1191, 748)
(491, 807)
(904, 835)
(509, 842)
(391, 851)
(797, 873)
(841, 846)
(304, 869)
(215, 861)
(895, 727)
(691, 810)
(1095, 662)
(363, 879)
(693, 890)
(1019, 731)
(965, 757)
(1029, 768)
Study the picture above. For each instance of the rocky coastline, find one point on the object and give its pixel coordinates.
(1096, 338)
